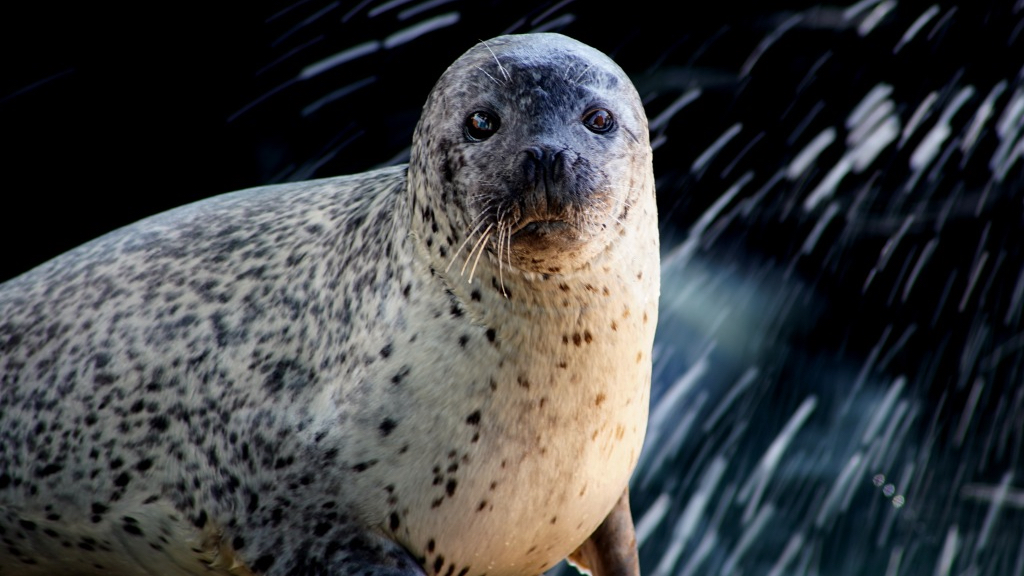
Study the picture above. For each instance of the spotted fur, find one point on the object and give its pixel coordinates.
(308, 379)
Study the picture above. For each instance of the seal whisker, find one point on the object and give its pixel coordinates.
(502, 232)
(473, 230)
(486, 234)
(483, 236)
(500, 67)
(585, 70)
(495, 80)
(508, 245)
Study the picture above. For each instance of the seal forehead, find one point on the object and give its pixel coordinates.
(549, 62)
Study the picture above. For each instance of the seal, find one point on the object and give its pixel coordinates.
(439, 368)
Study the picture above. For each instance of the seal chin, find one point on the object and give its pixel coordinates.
(548, 246)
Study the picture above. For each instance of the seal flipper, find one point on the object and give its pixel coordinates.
(611, 549)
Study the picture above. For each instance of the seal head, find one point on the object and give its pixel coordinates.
(535, 142)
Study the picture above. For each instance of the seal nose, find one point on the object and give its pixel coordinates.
(544, 165)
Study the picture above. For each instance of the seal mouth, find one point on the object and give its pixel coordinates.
(543, 228)
(538, 236)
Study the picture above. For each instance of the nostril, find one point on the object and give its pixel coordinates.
(536, 153)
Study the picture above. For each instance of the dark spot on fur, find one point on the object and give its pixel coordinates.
(449, 488)
(263, 563)
(322, 528)
(103, 379)
(159, 423)
(363, 466)
(474, 418)
(387, 426)
(385, 351)
(237, 543)
(430, 546)
(577, 339)
(447, 172)
(475, 295)
(48, 470)
(122, 480)
(491, 335)
(397, 378)
(438, 563)
(463, 340)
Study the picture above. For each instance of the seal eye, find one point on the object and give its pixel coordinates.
(481, 125)
(598, 120)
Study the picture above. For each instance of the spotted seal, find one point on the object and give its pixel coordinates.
(439, 368)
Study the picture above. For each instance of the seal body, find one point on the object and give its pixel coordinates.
(441, 368)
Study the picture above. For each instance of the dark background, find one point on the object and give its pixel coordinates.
(816, 362)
